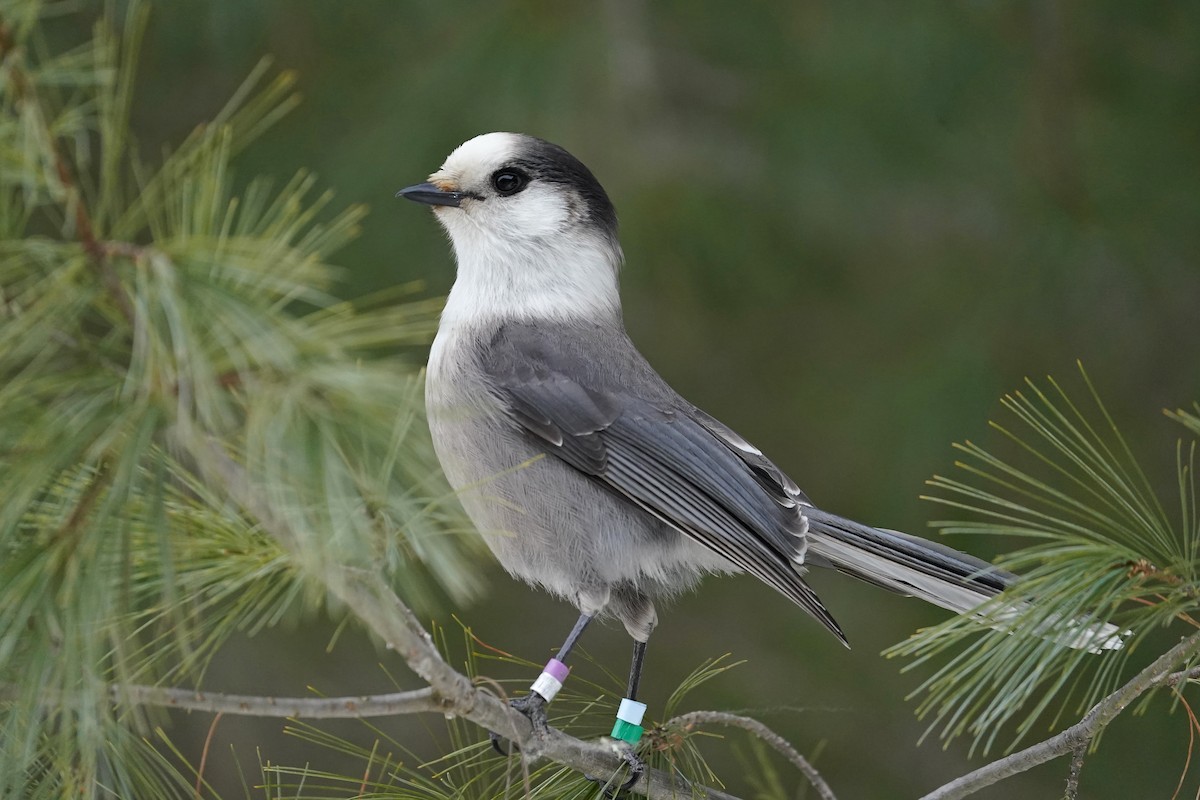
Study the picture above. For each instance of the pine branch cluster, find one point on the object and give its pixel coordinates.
(1105, 545)
(149, 309)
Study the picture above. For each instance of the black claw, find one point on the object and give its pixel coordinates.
(637, 768)
(533, 706)
(496, 738)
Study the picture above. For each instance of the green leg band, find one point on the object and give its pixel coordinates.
(626, 732)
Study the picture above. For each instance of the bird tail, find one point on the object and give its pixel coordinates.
(933, 572)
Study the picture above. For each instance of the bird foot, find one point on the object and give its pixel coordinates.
(637, 768)
(533, 706)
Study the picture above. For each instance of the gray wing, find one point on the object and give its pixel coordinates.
(772, 478)
(677, 464)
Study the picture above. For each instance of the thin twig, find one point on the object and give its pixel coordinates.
(1157, 674)
(1176, 678)
(762, 732)
(1077, 757)
(376, 705)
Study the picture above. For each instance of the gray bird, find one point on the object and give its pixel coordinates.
(585, 472)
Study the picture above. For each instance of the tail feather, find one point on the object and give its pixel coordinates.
(933, 572)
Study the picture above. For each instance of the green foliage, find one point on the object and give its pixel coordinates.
(1106, 549)
(148, 312)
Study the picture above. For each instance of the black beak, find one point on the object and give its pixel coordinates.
(431, 195)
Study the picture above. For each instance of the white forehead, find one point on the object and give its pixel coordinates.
(483, 154)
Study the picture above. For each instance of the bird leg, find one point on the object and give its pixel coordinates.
(635, 669)
(573, 636)
(543, 690)
(627, 731)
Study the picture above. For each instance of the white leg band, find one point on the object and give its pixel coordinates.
(631, 711)
(547, 686)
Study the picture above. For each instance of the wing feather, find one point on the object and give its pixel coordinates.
(672, 466)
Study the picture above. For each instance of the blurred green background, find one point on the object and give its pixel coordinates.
(849, 228)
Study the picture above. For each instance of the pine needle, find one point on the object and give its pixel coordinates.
(1104, 550)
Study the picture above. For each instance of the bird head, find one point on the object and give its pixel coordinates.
(531, 226)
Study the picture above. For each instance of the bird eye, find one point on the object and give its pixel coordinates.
(509, 181)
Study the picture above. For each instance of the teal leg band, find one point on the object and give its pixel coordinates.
(626, 731)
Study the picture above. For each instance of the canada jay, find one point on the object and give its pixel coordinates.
(586, 473)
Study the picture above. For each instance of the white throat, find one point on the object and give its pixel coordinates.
(560, 277)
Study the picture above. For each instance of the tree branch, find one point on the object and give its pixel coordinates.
(369, 597)
(425, 700)
(1157, 674)
(376, 705)
(762, 732)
